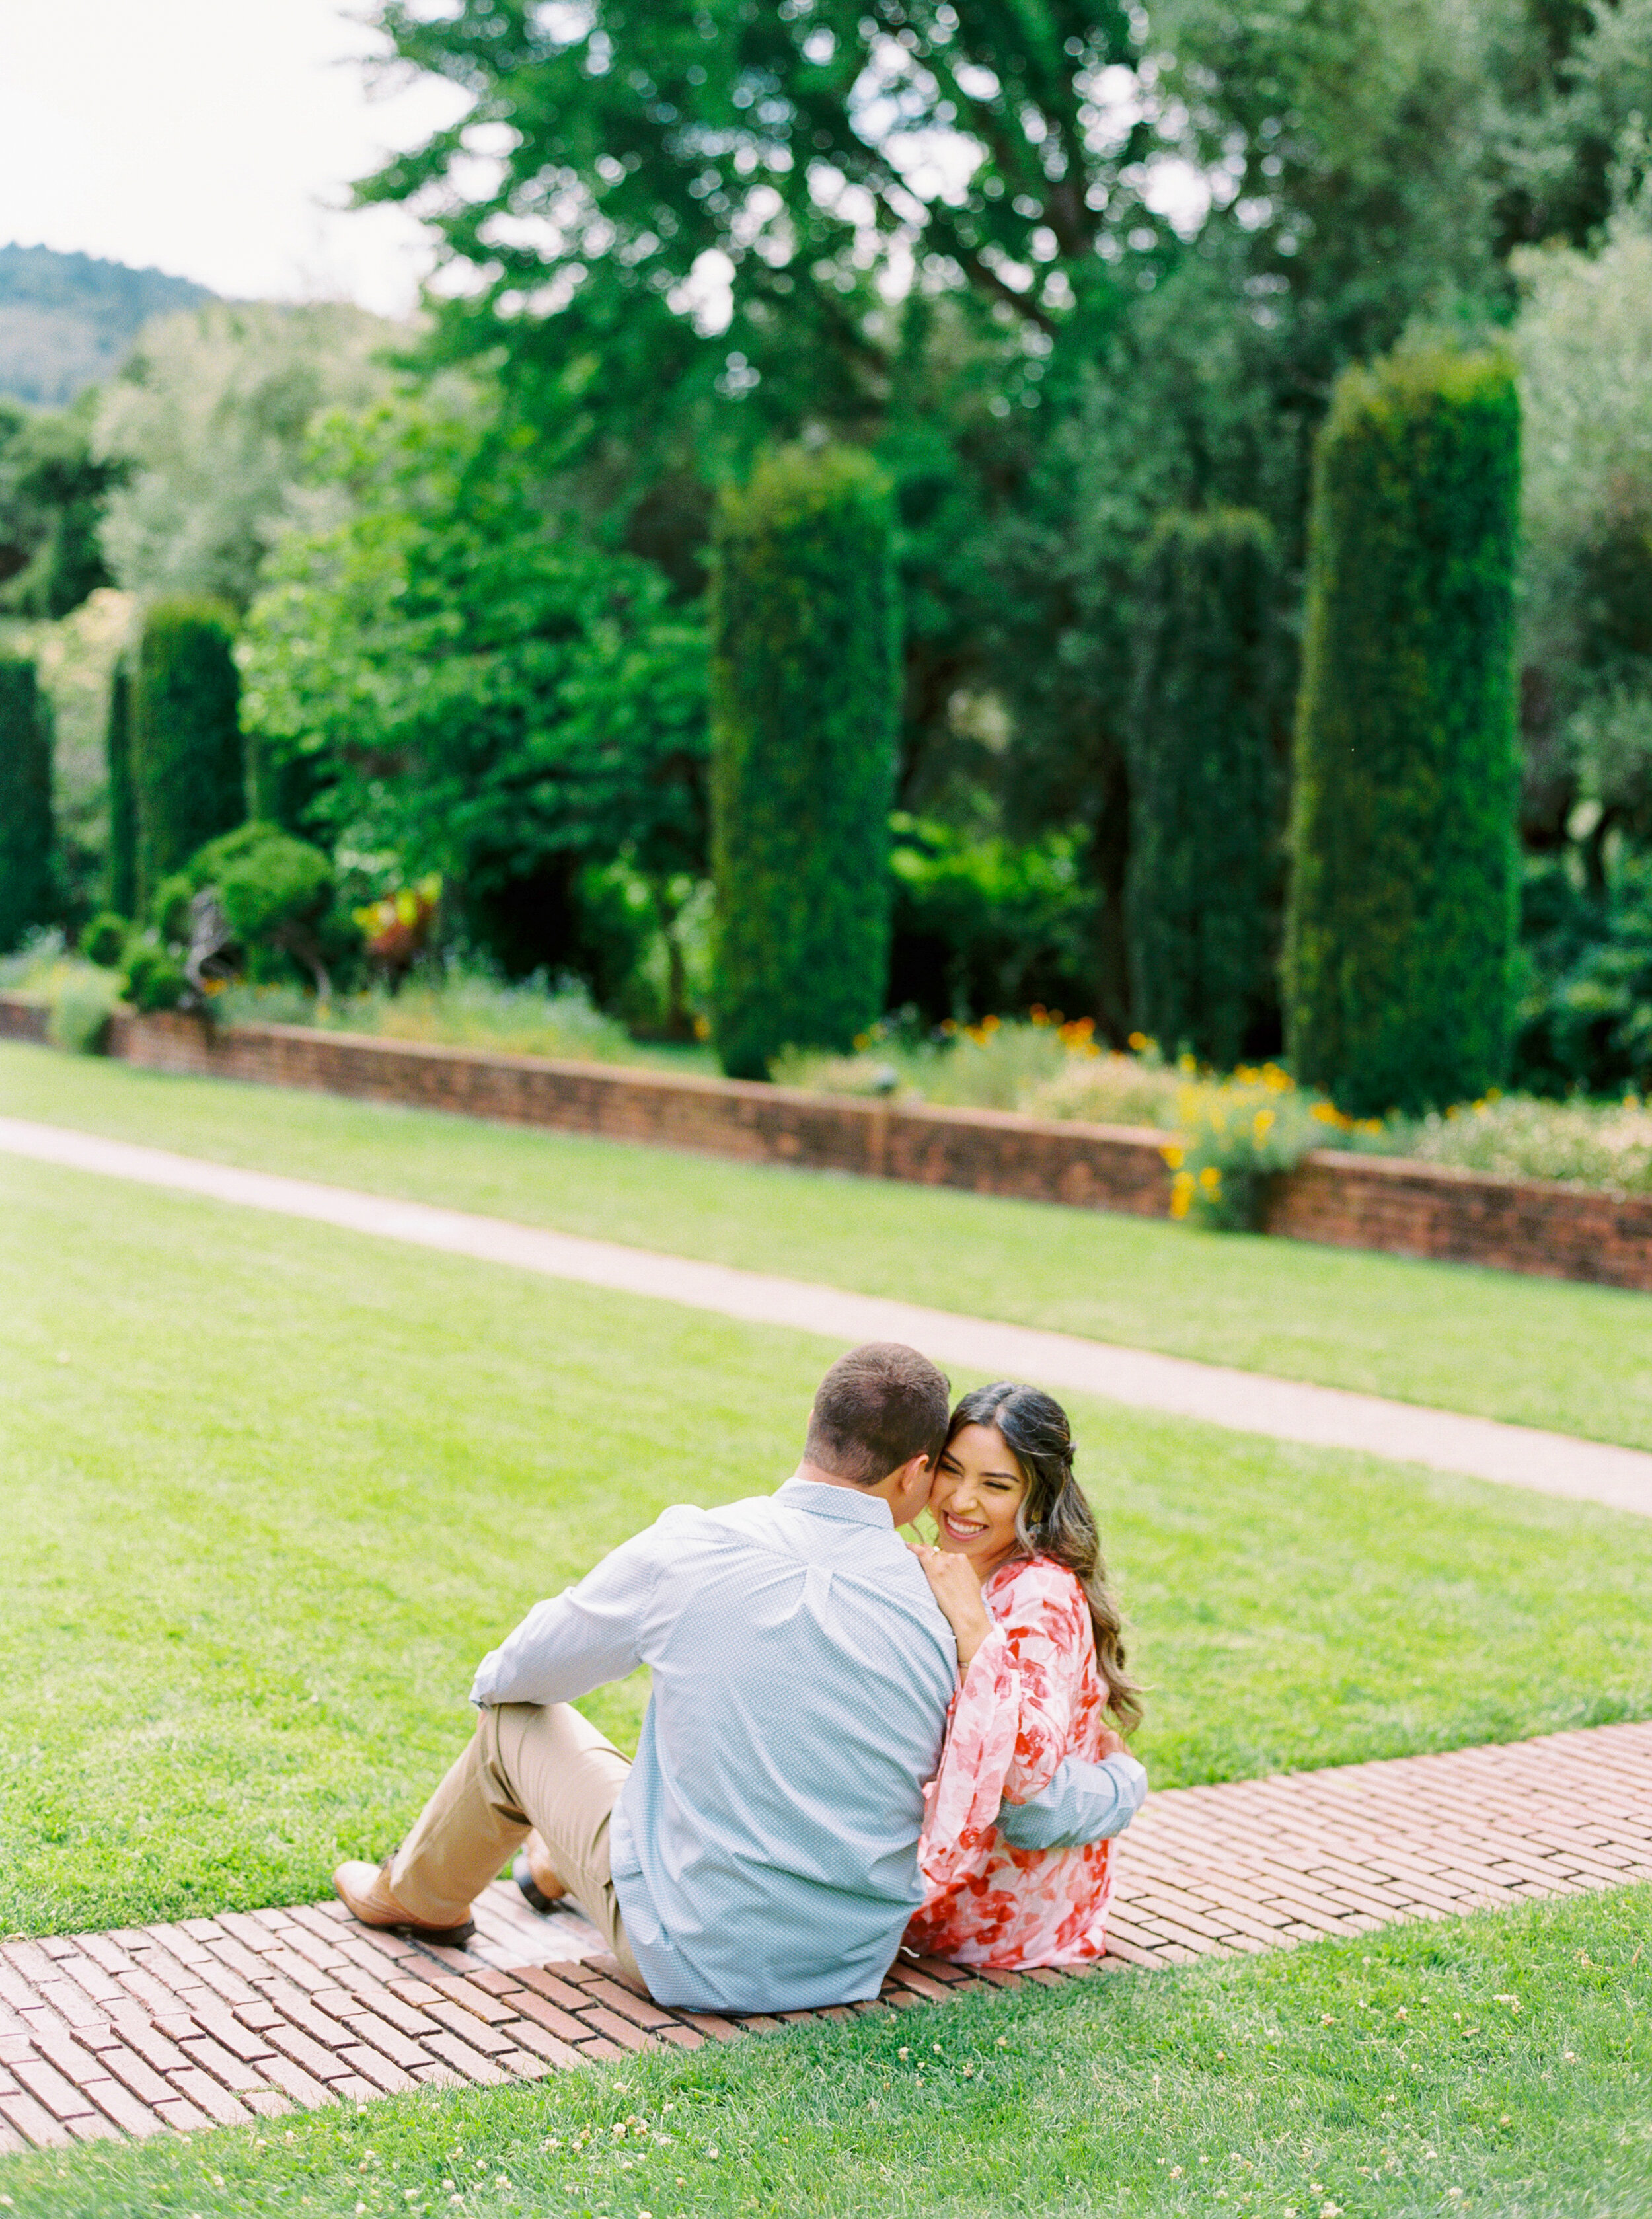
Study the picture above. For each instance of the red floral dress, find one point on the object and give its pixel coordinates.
(1032, 1696)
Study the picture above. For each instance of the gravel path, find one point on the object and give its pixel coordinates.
(1245, 1401)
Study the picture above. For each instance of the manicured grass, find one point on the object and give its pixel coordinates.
(267, 1490)
(1381, 2078)
(1536, 1351)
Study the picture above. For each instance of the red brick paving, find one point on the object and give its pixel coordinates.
(216, 2021)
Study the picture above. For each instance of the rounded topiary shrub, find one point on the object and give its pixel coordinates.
(804, 680)
(103, 940)
(1202, 892)
(26, 885)
(1400, 931)
(153, 977)
(188, 769)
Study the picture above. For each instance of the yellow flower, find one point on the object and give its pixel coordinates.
(990, 1024)
(1210, 1179)
(1326, 1112)
(1262, 1124)
(1173, 1155)
(1138, 1041)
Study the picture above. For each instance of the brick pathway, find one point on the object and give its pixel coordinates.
(214, 2021)
(1247, 1401)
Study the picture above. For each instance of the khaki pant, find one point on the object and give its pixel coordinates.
(528, 1765)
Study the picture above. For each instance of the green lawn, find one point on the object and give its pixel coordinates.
(1263, 2088)
(1536, 1351)
(267, 1490)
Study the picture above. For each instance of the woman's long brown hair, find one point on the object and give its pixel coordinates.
(1054, 1519)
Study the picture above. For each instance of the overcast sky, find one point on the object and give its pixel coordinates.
(214, 139)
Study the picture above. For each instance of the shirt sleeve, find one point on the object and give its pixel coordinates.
(1084, 1803)
(591, 1633)
(1008, 1732)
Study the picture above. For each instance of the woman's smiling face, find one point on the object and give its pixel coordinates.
(978, 1488)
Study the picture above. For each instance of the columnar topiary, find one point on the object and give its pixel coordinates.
(804, 677)
(1204, 835)
(188, 765)
(1402, 909)
(123, 803)
(25, 880)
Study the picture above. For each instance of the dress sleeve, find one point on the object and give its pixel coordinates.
(1008, 1728)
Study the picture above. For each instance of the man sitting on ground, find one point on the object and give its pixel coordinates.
(761, 1853)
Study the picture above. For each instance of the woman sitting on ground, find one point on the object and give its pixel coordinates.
(1018, 1573)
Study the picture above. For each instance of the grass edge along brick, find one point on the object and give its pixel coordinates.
(1486, 2065)
(804, 678)
(1400, 933)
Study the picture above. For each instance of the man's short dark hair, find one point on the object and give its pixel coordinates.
(877, 1408)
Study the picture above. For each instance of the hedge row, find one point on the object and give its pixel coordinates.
(804, 688)
(27, 891)
(1401, 930)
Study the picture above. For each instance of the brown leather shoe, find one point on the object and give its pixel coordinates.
(542, 1886)
(364, 1890)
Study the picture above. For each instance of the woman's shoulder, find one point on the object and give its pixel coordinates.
(1035, 1587)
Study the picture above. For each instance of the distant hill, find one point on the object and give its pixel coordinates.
(67, 320)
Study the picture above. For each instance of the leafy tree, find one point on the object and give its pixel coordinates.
(982, 924)
(1584, 341)
(27, 891)
(459, 676)
(648, 169)
(52, 494)
(681, 230)
(1402, 906)
(805, 653)
(189, 770)
(1204, 820)
(208, 424)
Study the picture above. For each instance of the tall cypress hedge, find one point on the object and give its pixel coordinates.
(1401, 924)
(1204, 836)
(188, 768)
(123, 804)
(805, 690)
(27, 888)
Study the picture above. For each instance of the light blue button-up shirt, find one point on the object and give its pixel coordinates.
(764, 1847)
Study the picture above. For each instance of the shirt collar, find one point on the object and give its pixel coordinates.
(846, 1503)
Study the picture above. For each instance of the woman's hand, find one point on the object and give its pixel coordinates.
(959, 1592)
(1112, 1744)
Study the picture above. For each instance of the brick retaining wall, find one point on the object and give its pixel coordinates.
(1354, 1201)
(1534, 1226)
(21, 1020)
(1105, 1166)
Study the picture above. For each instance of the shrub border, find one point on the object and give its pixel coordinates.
(1392, 1205)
